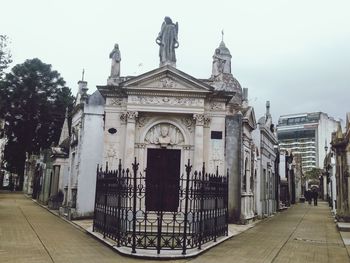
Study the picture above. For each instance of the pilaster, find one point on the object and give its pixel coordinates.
(129, 153)
(198, 141)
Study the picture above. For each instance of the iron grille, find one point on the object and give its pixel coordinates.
(121, 215)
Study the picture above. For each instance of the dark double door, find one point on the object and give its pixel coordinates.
(162, 180)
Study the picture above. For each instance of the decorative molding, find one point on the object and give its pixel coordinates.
(199, 119)
(188, 122)
(164, 134)
(140, 145)
(116, 102)
(207, 121)
(216, 106)
(156, 100)
(167, 93)
(188, 147)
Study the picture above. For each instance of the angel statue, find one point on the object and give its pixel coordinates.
(167, 41)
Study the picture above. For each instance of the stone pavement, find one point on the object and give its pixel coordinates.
(303, 233)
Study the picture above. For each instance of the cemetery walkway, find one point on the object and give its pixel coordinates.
(303, 233)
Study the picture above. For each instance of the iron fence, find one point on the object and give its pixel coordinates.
(121, 212)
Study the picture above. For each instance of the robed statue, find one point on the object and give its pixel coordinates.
(167, 41)
(116, 58)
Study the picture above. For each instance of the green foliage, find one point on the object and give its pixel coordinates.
(34, 110)
(5, 55)
(313, 174)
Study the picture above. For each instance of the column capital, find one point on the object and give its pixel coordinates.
(207, 121)
(202, 119)
(129, 116)
(199, 119)
(132, 115)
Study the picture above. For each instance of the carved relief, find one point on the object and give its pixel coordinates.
(216, 106)
(167, 83)
(164, 134)
(166, 100)
(116, 101)
(123, 117)
(111, 152)
(142, 120)
(188, 122)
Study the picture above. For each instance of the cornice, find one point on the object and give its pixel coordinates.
(166, 93)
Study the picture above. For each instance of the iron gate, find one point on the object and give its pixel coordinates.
(121, 215)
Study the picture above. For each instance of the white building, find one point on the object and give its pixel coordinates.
(266, 175)
(86, 151)
(306, 134)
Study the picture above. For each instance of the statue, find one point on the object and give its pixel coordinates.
(218, 63)
(115, 56)
(167, 41)
(164, 138)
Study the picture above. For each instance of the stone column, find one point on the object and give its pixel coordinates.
(198, 142)
(207, 141)
(129, 152)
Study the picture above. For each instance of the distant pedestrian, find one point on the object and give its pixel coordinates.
(308, 196)
(315, 196)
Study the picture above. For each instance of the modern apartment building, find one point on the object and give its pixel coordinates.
(306, 134)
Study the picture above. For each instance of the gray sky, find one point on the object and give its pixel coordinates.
(295, 53)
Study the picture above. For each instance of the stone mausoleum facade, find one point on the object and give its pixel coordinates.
(185, 117)
(164, 116)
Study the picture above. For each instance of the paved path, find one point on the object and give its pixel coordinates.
(303, 233)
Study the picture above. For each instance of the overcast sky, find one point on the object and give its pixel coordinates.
(295, 53)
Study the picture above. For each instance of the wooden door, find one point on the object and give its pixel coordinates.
(162, 180)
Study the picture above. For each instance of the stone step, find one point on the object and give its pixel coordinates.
(344, 227)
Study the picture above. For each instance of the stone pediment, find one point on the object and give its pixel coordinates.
(167, 79)
(249, 117)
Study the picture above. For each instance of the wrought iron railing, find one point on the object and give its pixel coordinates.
(121, 214)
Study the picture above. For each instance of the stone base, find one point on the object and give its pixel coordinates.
(344, 227)
(248, 220)
(113, 81)
(72, 213)
(164, 254)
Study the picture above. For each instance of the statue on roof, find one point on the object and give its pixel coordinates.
(218, 63)
(167, 41)
(116, 58)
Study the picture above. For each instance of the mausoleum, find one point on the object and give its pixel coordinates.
(176, 134)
